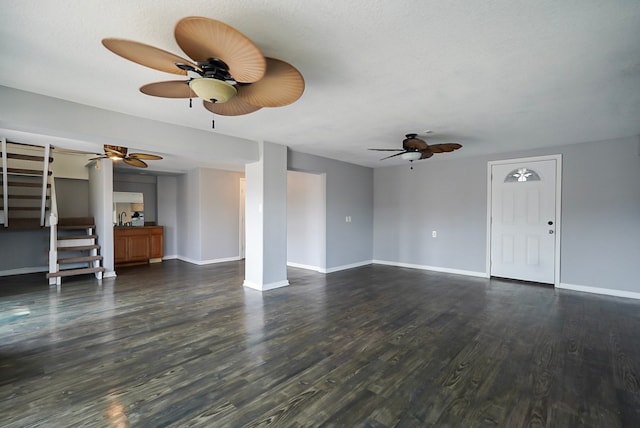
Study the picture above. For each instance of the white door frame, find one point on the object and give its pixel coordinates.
(242, 227)
(558, 219)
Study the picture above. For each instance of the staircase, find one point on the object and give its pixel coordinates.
(28, 202)
(25, 186)
(76, 249)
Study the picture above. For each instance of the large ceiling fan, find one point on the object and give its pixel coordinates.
(117, 153)
(228, 71)
(414, 148)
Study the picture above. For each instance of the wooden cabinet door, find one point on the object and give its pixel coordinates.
(119, 248)
(138, 247)
(156, 243)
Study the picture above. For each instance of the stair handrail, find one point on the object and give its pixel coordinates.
(45, 181)
(5, 184)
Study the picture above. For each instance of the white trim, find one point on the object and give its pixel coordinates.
(208, 262)
(109, 274)
(345, 267)
(22, 271)
(432, 268)
(265, 287)
(308, 267)
(170, 257)
(558, 232)
(243, 218)
(598, 290)
(5, 183)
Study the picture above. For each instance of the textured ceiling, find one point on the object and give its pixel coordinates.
(495, 76)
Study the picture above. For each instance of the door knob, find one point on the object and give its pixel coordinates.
(550, 223)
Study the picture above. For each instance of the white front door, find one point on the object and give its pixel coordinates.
(523, 220)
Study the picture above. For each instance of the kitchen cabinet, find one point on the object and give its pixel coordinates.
(138, 245)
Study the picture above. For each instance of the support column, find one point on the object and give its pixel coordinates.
(266, 219)
(101, 208)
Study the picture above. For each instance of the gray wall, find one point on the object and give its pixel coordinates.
(220, 214)
(24, 251)
(305, 219)
(168, 213)
(208, 215)
(145, 184)
(349, 192)
(188, 215)
(600, 230)
(72, 197)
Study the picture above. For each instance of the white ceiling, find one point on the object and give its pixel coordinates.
(493, 75)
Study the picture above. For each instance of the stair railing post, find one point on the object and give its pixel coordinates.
(5, 185)
(53, 248)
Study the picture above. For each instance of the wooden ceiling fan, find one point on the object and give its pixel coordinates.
(414, 148)
(117, 153)
(228, 71)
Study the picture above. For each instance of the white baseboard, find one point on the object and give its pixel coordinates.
(21, 271)
(265, 287)
(170, 257)
(208, 262)
(345, 267)
(109, 274)
(308, 267)
(433, 268)
(598, 290)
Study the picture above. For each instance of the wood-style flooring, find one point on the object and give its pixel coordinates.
(180, 345)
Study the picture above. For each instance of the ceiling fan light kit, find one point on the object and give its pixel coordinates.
(411, 156)
(228, 66)
(213, 90)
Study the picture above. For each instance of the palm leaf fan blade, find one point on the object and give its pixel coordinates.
(147, 55)
(203, 38)
(281, 85)
(135, 162)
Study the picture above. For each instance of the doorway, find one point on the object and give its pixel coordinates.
(306, 220)
(523, 238)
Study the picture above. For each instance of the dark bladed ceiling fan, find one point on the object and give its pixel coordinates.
(117, 153)
(414, 148)
(228, 71)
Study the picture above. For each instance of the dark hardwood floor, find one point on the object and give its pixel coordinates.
(175, 344)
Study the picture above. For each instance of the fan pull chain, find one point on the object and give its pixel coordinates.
(213, 121)
(190, 103)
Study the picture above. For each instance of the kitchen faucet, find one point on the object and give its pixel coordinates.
(120, 217)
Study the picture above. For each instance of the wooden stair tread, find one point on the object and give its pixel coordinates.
(17, 144)
(79, 248)
(76, 221)
(24, 171)
(23, 224)
(20, 156)
(76, 227)
(14, 208)
(72, 272)
(66, 237)
(13, 183)
(79, 259)
(34, 197)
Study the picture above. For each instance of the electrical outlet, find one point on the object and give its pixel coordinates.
(434, 234)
